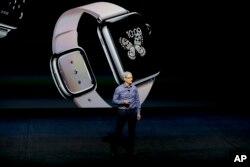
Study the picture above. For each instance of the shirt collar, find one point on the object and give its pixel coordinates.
(127, 86)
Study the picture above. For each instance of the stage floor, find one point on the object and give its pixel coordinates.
(75, 136)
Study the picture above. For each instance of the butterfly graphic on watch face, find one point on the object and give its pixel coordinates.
(133, 48)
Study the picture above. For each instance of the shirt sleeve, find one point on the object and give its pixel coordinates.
(116, 100)
(138, 103)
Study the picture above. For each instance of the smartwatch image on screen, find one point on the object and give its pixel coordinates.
(11, 14)
(125, 39)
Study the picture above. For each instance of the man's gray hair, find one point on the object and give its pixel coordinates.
(126, 73)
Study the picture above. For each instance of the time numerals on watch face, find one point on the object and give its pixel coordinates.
(11, 12)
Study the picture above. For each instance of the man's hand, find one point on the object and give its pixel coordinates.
(138, 116)
(126, 101)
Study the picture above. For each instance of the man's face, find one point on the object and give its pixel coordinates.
(128, 79)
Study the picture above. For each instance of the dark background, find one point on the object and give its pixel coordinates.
(197, 45)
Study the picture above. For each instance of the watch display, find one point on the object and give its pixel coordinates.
(129, 41)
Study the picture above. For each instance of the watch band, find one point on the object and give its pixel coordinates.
(66, 30)
(4, 29)
(11, 13)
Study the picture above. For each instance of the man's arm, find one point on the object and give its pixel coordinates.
(138, 105)
(116, 99)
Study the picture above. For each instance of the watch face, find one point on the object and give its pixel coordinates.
(72, 73)
(130, 46)
(11, 12)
